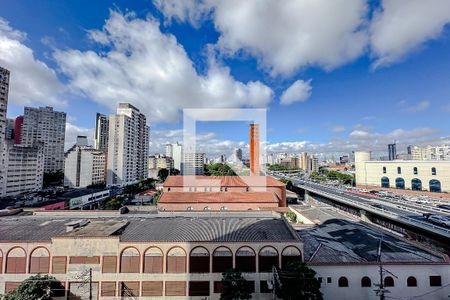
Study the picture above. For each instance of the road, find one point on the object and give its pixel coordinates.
(411, 214)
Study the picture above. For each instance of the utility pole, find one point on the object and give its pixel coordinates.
(90, 283)
(380, 291)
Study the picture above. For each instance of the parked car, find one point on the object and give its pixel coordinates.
(440, 220)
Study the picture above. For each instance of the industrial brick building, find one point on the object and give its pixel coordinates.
(146, 256)
(186, 193)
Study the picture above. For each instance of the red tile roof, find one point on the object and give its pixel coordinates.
(225, 181)
(218, 197)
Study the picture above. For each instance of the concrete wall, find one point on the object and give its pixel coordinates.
(354, 273)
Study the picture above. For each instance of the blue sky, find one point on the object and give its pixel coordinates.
(354, 74)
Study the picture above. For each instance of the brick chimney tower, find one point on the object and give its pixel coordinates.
(254, 150)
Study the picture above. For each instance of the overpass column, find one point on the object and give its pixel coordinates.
(365, 216)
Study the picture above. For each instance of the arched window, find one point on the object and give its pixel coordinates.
(342, 282)
(400, 183)
(435, 186)
(289, 254)
(189, 208)
(411, 281)
(246, 260)
(206, 208)
(153, 260)
(388, 281)
(39, 261)
(268, 257)
(222, 260)
(415, 171)
(16, 261)
(199, 260)
(129, 261)
(176, 260)
(385, 182)
(384, 170)
(223, 208)
(433, 171)
(366, 282)
(416, 184)
(399, 170)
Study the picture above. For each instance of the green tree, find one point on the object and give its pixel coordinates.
(157, 196)
(235, 287)
(41, 287)
(114, 203)
(162, 174)
(219, 169)
(298, 281)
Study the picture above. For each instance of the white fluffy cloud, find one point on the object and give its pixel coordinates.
(299, 91)
(400, 26)
(286, 35)
(150, 69)
(32, 81)
(283, 35)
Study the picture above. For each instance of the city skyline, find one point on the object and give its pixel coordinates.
(318, 102)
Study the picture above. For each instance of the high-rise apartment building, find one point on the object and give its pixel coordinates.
(127, 146)
(21, 167)
(18, 124)
(46, 126)
(254, 150)
(193, 164)
(84, 165)
(392, 148)
(4, 89)
(101, 132)
(175, 151)
(431, 153)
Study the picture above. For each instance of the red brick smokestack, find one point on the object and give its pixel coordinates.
(254, 150)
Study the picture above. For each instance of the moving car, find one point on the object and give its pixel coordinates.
(440, 220)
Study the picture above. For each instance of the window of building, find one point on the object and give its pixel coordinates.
(329, 280)
(433, 171)
(435, 281)
(59, 264)
(435, 186)
(411, 281)
(268, 258)
(199, 260)
(83, 260)
(198, 288)
(342, 282)
(222, 260)
(40, 261)
(384, 170)
(152, 288)
(366, 282)
(175, 288)
(109, 264)
(218, 287)
(16, 261)
(108, 289)
(246, 260)
(385, 182)
(289, 254)
(416, 184)
(129, 261)
(400, 183)
(129, 289)
(1, 261)
(153, 260)
(415, 171)
(388, 281)
(399, 170)
(176, 260)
